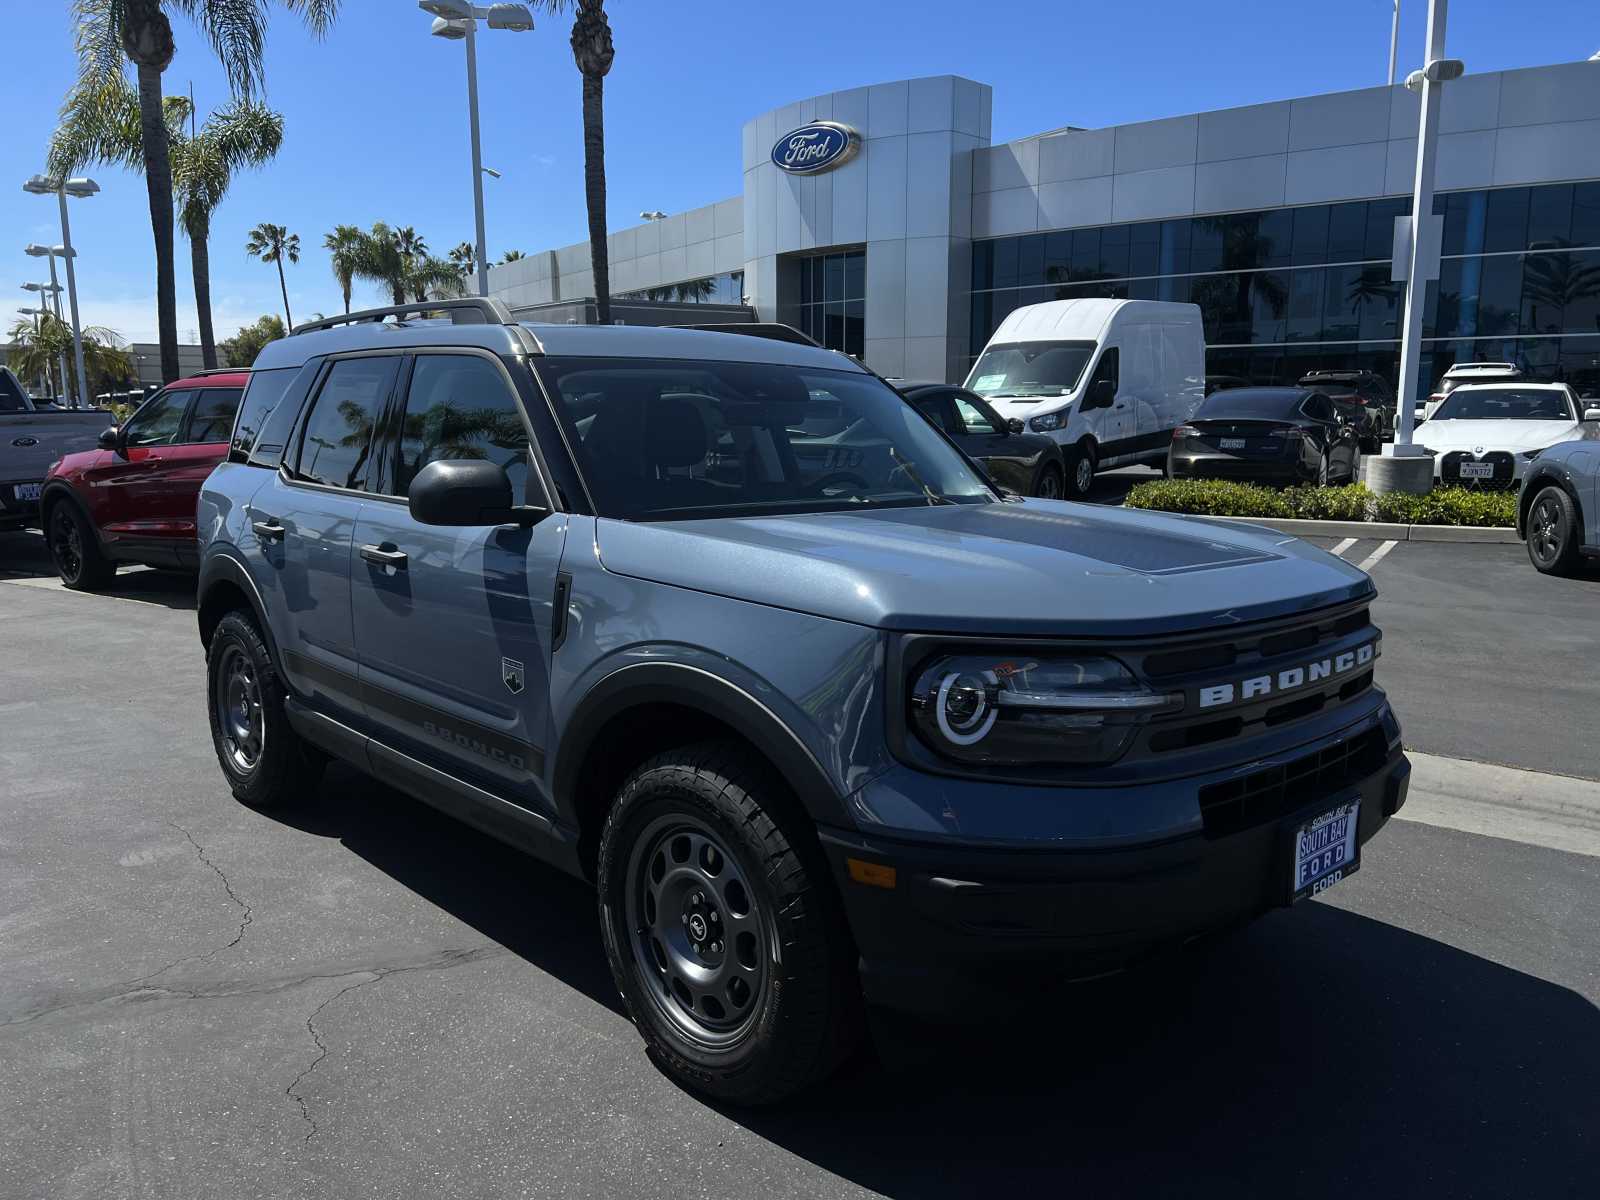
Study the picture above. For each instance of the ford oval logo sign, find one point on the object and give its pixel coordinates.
(819, 146)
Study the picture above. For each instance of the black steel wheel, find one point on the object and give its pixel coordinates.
(266, 763)
(75, 550)
(1553, 532)
(722, 929)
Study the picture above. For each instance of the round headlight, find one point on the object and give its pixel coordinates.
(963, 709)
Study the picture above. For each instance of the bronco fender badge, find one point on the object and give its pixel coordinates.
(511, 675)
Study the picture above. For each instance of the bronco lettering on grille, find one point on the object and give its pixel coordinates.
(1288, 679)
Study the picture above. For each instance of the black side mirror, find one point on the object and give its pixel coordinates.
(1015, 425)
(464, 492)
(110, 439)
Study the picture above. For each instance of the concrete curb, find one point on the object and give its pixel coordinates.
(1380, 530)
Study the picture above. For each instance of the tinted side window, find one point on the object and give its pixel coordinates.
(214, 410)
(937, 409)
(336, 445)
(1108, 368)
(1319, 408)
(158, 422)
(261, 396)
(973, 417)
(459, 407)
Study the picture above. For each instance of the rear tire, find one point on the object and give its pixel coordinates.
(722, 929)
(1553, 532)
(75, 549)
(1080, 469)
(266, 763)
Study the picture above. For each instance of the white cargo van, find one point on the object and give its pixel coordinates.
(1108, 379)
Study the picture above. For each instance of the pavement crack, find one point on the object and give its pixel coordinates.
(441, 962)
(227, 886)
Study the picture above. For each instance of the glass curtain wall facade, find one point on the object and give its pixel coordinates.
(1288, 290)
(833, 300)
(727, 288)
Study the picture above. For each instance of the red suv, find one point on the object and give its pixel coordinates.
(133, 499)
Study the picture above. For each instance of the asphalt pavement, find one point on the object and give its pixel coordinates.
(364, 998)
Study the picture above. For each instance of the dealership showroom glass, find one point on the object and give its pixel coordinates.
(881, 221)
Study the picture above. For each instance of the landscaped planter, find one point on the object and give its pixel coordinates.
(1454, 506)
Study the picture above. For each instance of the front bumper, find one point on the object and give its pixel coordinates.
(965, 927)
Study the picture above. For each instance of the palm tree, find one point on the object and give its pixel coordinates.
(110, 32)
(35, 347)
(103, 125)
(465, 259)
(272, 244)
(410, 243)
(593, 51)
(511, 256)
(399, 260)
(344, 249)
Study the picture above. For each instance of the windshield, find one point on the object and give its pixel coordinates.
(668, 440)
(1030, 370)
(1249, 404)
(1505, 404)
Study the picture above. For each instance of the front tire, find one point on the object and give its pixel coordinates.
(1080, 470)
(722, 930)
(265, 761)
(1553, 532)
(75, 550)
(1048, 485)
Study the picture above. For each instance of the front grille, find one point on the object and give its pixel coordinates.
(1504, 469)
(1275, 792)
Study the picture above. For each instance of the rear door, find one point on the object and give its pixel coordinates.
(302, 529)
(453, 625)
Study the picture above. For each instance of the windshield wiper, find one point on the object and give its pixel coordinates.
(911, 473)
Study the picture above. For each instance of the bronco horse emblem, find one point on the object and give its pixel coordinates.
(511, 675)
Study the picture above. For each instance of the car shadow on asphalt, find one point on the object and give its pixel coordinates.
(25, 559)
(1315, 1052)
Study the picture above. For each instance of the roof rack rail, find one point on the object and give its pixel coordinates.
(469, 310)
(772, 330)
(216, 371)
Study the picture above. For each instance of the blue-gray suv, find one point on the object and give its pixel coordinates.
(721, 623)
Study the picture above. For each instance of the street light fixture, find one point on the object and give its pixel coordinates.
(657, 215)
(491, 173)
(34, 250)
(81, 188)
(457, 20)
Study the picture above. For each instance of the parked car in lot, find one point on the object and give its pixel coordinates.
(1558, 513)
(1477, 372)
(33, 435)
(1276, 435)
(132, 499)
(1029, 464)
(1107, 379)
(1364, 397)
(1486, 434)
(818, 733)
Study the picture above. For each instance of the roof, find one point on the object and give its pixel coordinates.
(233, 378)
(1486, 368)
(1518, 385)
(1079, 320)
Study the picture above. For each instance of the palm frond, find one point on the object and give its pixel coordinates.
(97, 33)
(237, 31)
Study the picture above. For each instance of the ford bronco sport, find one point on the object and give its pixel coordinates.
(824, 716)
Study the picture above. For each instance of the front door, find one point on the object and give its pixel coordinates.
(453, 624)
(982, 433)
(303, 523)
(1109, 411)
(125, 494)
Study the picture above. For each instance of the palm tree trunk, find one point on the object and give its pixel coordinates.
(158, 182)
(200, 264)
(399, 290)
(288, 321)
(594, 190)
(346, 299)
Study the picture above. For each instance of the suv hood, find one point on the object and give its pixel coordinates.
(1444, 436)
(1039, 567)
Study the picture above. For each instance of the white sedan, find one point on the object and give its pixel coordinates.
(1489, 432)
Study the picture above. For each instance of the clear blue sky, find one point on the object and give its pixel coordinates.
(376, 114)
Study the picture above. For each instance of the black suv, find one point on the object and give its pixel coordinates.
(1364, 397)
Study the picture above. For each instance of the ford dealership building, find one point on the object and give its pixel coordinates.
(883, 222)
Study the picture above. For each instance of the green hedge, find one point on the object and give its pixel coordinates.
(1220, 498)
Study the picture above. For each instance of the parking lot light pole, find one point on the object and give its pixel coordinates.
(50, 254)
(43, 185)
(1394, 41)
(457, 20)
(53, 291)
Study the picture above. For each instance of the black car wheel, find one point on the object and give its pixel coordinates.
(75, 550)
(266, 763)
(1048, 485)
(1553, 532)
(721, 927)
(1080, 469)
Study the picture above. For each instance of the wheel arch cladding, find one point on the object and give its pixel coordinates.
(641, 710)
(224, 586)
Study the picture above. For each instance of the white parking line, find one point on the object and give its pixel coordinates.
(1504, 802)
(1344, 545)
(1376, 556)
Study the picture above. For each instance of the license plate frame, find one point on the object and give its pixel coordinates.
(1232, 443)
(1318, 842)
(26, 493)
(1476, 470)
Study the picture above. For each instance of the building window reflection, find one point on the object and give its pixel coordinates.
(833, 300)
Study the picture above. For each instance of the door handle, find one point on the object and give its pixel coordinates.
(384, 558)
(268, 530)
(1122, 406)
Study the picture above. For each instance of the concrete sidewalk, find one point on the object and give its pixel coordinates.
(1554, 811)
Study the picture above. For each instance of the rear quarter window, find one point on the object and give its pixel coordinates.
(261, 396)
